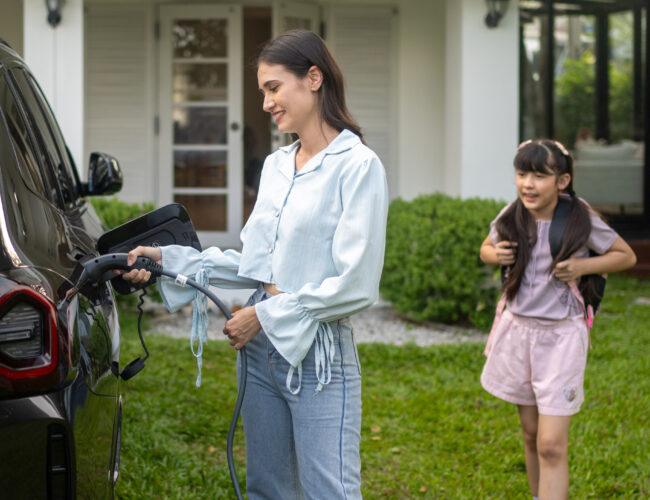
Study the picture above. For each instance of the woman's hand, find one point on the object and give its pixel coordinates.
(242, 327)
(569, 270)
(140, 275)
(506, 252)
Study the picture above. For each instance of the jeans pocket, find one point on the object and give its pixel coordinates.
(347, 339)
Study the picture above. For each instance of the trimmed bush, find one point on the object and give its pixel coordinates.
(432, 269)
(114, 212)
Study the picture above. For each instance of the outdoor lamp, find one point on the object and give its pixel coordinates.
(496, 10)
(53, 11)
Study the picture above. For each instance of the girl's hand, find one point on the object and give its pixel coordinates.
(569, 270)
(140, 275)
(242, 327)
(506, 252)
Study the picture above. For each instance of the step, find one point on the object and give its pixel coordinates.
(642, 250)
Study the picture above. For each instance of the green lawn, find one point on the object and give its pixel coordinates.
(429, 430)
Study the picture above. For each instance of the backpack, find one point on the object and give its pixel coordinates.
(588, 291)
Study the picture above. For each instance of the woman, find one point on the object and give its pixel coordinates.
(314, 247)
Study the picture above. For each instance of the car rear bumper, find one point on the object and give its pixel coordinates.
(36, 452)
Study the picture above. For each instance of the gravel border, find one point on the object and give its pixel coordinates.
(379, 323)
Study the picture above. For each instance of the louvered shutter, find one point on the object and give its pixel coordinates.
(118, 111)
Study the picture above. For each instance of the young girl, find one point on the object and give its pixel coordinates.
(537, 350)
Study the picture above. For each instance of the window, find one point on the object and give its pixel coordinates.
(583, 82)
(49, 141)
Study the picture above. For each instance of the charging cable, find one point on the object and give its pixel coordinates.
(100, 269)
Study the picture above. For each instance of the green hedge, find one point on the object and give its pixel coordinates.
(432, 269)
(114, 212)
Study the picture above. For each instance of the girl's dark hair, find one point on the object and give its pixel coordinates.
(518, 224)
(299, 50)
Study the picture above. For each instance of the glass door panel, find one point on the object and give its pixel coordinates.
(533, 61)
(200, 102)
(574, 78)
(200, 169)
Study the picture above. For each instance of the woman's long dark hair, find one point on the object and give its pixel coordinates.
(518, 224)
(299, 50)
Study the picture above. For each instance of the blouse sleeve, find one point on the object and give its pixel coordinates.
(291, 320)
(221, 269)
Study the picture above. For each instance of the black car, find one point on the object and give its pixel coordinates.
(60, 403)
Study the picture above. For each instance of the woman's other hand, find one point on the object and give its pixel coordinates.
(141, 275)
(242, 327)
(506, 252)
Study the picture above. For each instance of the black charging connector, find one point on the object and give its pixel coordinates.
(100, 269)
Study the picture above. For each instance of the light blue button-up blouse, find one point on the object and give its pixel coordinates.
(318, 234)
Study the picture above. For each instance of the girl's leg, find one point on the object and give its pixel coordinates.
(553, 453)
(529, 422)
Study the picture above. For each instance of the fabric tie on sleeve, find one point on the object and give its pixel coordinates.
(199, 334)
(323, 358)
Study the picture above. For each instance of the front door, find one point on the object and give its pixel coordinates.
(200, 102)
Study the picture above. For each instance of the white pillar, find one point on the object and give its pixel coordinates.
(55, 57)
(482, 105)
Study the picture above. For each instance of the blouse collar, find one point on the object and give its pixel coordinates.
(343, 142)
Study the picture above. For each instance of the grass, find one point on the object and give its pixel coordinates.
(429, 430)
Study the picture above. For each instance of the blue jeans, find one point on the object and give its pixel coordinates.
(305, 445)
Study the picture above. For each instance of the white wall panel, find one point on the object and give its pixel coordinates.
(364, 41)
(120, 92)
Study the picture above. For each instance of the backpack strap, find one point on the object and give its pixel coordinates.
(558, 224)
(588, 309)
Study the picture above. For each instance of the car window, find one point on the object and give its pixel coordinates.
(47, 145)
(22, 142)
(68, 170)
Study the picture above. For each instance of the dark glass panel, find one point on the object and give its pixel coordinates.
(208, 212)
(200, 168)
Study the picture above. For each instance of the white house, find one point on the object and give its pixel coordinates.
(434, 89)
(168, 88)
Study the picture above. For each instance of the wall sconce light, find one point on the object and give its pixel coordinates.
(496, 10)
(54, 12)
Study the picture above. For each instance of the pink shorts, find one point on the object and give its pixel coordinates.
(539, 363)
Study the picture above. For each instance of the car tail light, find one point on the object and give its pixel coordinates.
(28, 334)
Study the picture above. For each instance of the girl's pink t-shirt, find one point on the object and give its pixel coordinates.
(540, 294)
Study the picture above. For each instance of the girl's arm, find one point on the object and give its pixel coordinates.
(618, 257)
(501, 254)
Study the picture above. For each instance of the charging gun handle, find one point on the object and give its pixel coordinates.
(97, 267)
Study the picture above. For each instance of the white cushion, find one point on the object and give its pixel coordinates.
(626, 150)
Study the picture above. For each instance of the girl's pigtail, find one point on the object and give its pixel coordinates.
(517, 224)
